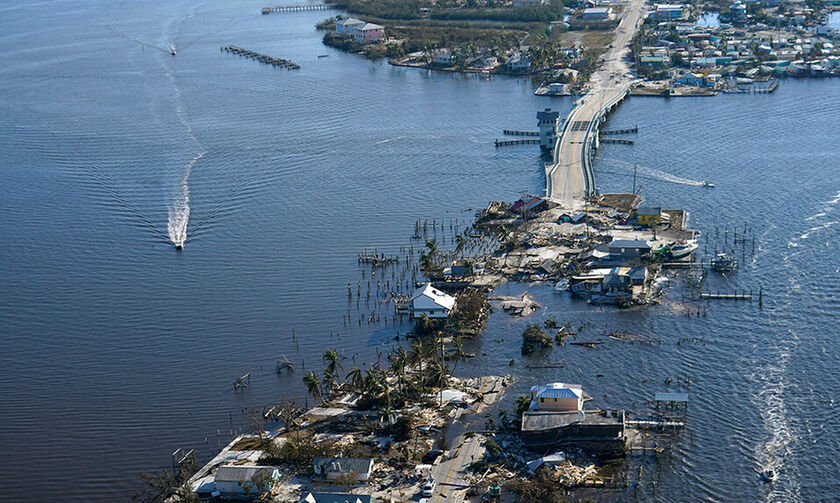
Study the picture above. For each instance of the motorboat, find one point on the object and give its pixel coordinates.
(768, 475)
(707, 184)
(179, 246)
(683, 248)
(172, 50)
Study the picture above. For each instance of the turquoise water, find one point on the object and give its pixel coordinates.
(117, 349)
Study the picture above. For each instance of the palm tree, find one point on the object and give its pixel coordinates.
(313, 386)
(333, 361)
(329, 381)
(398, 361)
(460, 243)
(432, 246)
(426, 324)
(416, 358)
(357, 382)
(458, 342)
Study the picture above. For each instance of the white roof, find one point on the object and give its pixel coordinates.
(426, 295)
(239, 473)
(350, 21)
(370, 26)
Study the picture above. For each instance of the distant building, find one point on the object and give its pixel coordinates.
(336, 498)
(432, 302)
(668, 11)
(369, 33)
(549, 122)
(519, 63)
(356, 469)
(241, 480)
(530, 3)
(556, 396)
(655, 62)
(597, 14)
(348, 25)
(443, 57)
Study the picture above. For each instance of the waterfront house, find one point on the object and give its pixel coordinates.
(443, 57)
(432, 302)
(556, 418)
(369, 33)
(237, 481)
(353, 469)
(597, 14)
(519, 62)
(628, 250)
(556, 396)
(595, 431)
(336, 498)
(348, 26)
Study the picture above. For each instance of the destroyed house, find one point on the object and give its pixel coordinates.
(356, 469)
(628, 249)
(591, 430)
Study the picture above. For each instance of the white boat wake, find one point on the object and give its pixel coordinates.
(179, 211)
(656, 174)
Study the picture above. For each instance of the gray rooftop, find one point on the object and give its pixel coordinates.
(237, 473)
(539, 421)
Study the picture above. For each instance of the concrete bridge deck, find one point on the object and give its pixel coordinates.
(569, 178)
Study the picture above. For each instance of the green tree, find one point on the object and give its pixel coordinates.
(313, 386)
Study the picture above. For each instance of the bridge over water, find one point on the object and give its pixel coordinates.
(569, 177)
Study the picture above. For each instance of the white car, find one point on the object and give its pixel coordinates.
(424, 500)
(429, 487)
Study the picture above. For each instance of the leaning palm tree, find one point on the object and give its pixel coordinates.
(460, 243)
(459, 353)
(333, 361)
(313, 386)
(357, 382)
(416, 359)
(432, 246)
(427, 324)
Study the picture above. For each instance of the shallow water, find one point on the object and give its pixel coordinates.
(117, 349)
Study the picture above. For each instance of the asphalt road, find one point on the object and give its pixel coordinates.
(566, 181)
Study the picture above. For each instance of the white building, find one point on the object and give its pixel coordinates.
(348, 25)
(519, 63)
(432, 302)
(233, 480)
(443, 57)
(355, 469)
(557, 396)
(549, 122)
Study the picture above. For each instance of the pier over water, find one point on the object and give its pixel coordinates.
(569, 177)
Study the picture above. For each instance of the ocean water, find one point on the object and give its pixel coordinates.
(117, 349)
